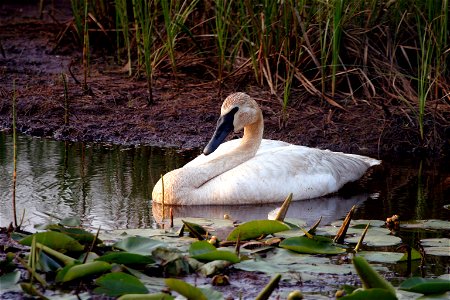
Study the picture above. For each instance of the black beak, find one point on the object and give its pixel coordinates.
(224, 127)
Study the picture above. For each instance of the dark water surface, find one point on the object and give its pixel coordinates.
(110, 186)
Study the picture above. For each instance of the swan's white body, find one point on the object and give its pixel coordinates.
(254, 170)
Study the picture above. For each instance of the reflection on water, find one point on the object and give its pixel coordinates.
(111, 187)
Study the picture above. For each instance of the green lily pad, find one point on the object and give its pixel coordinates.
(361, 224)
(138, 245)
(316, 245)
(9, 281)
(388, 257)
(126, 258)
(427, 224)
(202, 250)
(375, 238)
(72, 272)
(71, 221)
(425, 285)
(370, 294)
(256, 228)
(119, 283)
(157, 296)
(81, 235)
(435, 242)
(185, 289)
(55, 240)
(436, 246)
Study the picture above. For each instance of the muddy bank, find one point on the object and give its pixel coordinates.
(115, 109)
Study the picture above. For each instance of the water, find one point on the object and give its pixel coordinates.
(110, 186)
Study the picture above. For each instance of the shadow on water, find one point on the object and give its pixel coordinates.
(110, 186)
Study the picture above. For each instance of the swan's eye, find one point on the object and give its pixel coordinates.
(228, 117)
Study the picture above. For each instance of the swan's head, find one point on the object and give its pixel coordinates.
(238, 110)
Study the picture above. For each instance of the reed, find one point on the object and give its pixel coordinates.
(122, 23)
(223, 10)
(332, 49)
(14, 177)
(66, 99)
(144, 30)
(85, 46)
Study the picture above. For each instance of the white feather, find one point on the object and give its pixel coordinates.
(254, 170)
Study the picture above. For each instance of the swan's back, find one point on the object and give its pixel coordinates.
(278, 169)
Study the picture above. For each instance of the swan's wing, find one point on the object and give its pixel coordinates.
(275, 172)
(230, 145)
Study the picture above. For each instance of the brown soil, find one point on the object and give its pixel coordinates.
(115, 109)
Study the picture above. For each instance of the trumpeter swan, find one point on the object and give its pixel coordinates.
(255, 170)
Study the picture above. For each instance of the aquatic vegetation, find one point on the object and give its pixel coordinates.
(126, 266)
(336, 50)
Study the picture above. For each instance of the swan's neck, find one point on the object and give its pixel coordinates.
(247, 149)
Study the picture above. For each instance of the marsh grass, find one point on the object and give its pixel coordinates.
(335, 50)
(14, 177)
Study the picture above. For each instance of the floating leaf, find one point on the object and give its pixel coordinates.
(119, 283)
(81, 235)
(158, 296)
(9, 281)
(376, 238)
(126, 258)
(369, 277)
(370, 294)
(213, 267)
(427, 224)
(71, 221)
(415, 255)
(72, 272)
(425, 285)
(388, 257)
(138, 245)
(203, 250)
(47, 263)
(55, 240)
(316, 245)
(256, 228)
(185, 289)
(196, 230)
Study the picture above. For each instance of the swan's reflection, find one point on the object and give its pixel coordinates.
(331, 208)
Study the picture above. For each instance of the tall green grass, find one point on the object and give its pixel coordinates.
(334, 50)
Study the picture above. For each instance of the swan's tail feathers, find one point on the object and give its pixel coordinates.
(369, 160)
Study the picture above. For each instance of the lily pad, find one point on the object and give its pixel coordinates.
(185, 289)
(157, 296)
(55, 240)
(126, 258)
(370, 294)
(138, 245)
(72, 272)
(119, 283)
(388, 257)
(256, 228)
(427, 224)
(71, 221)
(361, 223)
(202, 250)
(81, 235)
(315, 245)
(425, 285)
(9, 281)
(436, 246)
(376, 239)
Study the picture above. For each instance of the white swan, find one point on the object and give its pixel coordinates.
(254, 170)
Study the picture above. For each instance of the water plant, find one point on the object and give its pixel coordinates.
(14, 177)
(333, 50)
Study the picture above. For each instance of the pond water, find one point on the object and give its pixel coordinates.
(110, 186)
